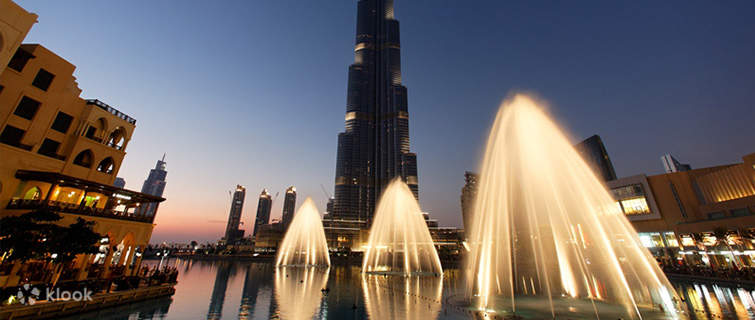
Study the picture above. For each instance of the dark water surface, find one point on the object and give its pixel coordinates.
(250, 290)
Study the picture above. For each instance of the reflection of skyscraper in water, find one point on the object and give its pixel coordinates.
(218, 290)
(256, 297)
(298, 292)
(417, 299)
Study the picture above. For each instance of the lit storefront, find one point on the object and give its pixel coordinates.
(683, 217)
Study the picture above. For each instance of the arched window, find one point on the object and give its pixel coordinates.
(117, 138)
(84, 158)
(106, 165)
(94, 132)
(33, 194)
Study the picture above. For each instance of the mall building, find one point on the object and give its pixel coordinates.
(62, 153)
(701, 216)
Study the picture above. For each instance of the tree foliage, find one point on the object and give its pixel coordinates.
(36, 236)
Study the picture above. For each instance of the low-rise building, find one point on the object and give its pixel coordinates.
(268, 238)
(703, 216)
(61, 153)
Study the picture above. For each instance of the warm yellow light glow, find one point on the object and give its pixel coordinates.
(409, 298)
(709, 240)
(635, 206)
(297, 291)
(399, 240)
(304, 243)
(687, 241)
(544, 224)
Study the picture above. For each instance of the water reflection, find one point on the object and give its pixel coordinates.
(245, 290)
(145, 310)
(300, 290)
(713, 301)
(396, 297)
(218, 290)
(256, 300)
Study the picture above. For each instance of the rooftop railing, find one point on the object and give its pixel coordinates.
(114, 111)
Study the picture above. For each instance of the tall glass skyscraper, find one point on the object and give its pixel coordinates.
(289, 207)
(374, 148)
(596, 156)
(232, 231)
(264, 206)
(154, 185)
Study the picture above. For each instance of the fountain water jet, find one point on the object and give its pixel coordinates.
(399, 241)
(304, 243)
(544, 225)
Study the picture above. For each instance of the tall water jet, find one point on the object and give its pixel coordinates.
(399, 241)
(304, 243)
(298, 291)
(546, 232)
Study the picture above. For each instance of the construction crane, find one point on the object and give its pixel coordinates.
(324, 191)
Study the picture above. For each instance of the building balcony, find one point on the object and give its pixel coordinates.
(53, 155)
(63, 207)
(113, 111)
(93, 138)
(67, 194)
(114, 145)
(18, 145)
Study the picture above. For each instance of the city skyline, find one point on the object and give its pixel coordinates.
(627, 110)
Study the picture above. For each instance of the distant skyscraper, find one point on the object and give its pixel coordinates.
(232, 231)
(374, 148)
(670, 164)
(329, 206)
(154, 185)
(468, 194)
(119, 182)
(289, 205)
(263, 211)
(594, 153)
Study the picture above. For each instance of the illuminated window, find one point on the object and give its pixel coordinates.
(646, 241)
(671, 239)
(635, 206)
(651, 240)
(633, 190)
(687, 241)
(709, 240)
(618, 206)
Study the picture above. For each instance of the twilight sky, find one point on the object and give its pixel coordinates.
(253, 92)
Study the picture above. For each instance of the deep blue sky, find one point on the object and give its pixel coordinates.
(253, 92)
